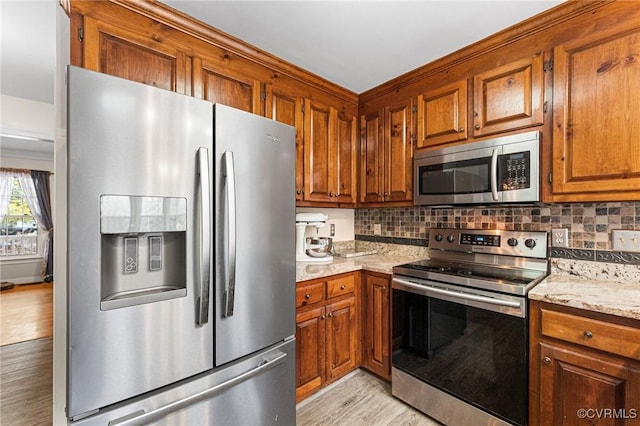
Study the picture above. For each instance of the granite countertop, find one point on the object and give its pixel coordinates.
(607, 297)
(382, 263)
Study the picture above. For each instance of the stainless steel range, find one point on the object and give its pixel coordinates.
(460, 339)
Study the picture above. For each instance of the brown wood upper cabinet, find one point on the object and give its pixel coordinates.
(287, 108)
(442, 115)
(217, 85)
(117, 51)
(386, 154)
(329, 154)
(509, 97)
(596, 117)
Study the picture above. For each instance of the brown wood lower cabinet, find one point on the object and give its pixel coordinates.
(584, 368)
(327, 331)
(376, 353)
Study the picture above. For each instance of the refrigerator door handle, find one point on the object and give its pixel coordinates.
(230, 282)
(141, 418)
(205, 237)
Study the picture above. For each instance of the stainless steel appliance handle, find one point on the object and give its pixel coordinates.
(142, 418)
(466, 296)
(230, 282)
(494, 174)
(205, 235)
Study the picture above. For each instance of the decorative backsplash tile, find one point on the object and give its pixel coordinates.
(589, 224)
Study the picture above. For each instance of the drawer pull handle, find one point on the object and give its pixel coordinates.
(342, 287)
(588, 334)
(546, 360)
(307, 296)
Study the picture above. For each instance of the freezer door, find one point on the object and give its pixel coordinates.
(138, 239)
(257, 390)
(254, 166)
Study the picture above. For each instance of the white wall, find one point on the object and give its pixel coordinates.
(26, 117)
(342, 218)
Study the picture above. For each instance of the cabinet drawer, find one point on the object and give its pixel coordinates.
(340, 286)
(309, 294)
(613, 338)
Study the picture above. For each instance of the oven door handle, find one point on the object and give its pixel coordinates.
(466, 296)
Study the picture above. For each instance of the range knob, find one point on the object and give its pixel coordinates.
(529, 242)
(451, 238)
(438, 237)
(512, 242)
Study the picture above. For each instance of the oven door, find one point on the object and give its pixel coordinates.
(470, 344)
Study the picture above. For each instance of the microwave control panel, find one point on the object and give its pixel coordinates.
(515, 171)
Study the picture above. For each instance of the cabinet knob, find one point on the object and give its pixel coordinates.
(342, 287)
(299, 191)
(546, 360)
(307, 296)
(461, 129)
(330, 314)
(331, 194)
(322, 317)
(588, 334)
(477, 127)
(384, 287)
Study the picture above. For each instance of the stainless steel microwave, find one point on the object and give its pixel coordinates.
(505, 169)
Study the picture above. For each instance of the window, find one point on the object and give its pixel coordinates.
(18, 227)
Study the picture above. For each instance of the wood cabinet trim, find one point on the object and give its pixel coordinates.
(188, 25)
(534, 25)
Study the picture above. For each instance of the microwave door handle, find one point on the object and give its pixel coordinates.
(494, 174)
(230, 282)
(205, 236)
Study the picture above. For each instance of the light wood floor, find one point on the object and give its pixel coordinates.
(360, 399)
(26, 313)
(26, 383)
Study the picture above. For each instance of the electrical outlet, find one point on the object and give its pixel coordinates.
(625, 240)
(332, 230)
(377, 229)
(560, 237)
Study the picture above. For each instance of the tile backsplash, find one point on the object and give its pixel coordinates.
(589, 224)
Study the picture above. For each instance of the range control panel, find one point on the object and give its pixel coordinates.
(514, 243)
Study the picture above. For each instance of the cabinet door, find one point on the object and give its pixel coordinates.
(398, 158)
(371, 157)
(319, 163)
(377, 326)
(571, 382)
(509, 97)
(217, 86)
(287, 109)
(113, 50)
(310, 350)
(345, 184)
(442, 115)
(341, 338)
(596, 114)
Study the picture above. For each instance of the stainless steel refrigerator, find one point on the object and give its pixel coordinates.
(181, 259)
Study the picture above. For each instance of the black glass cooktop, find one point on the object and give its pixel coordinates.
(498, 278)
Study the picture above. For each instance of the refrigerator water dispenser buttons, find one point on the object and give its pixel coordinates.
(130, 255)
(155, 253)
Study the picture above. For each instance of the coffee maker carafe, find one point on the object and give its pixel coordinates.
(309, 249)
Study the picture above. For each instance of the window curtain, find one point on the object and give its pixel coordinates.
(37, 191)
(6, 183)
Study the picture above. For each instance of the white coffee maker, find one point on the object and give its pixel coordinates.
(304, 220)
